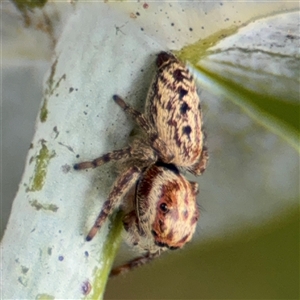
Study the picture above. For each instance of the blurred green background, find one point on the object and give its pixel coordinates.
(261, 263)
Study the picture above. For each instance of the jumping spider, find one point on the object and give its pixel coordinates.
(163, 212)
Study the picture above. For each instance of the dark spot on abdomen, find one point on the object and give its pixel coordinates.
(184, 108)
(178, 75)
(172, 123)
(169, 106)
(186, 130)
(182, 93)
(163, 57)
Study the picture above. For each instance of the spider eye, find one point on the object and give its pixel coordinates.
(164, 207)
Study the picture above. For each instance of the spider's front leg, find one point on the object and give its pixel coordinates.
(157, 144)
(111, 156)
(121, 186)
(132, 264)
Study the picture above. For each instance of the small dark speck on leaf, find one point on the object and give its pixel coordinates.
(86, 253)
(55, 131)
(60, 258)
(172, 24)
(85, 112)
(142, 29)
(137, 13)
(290, 36)
(77, 156)
(86, 288)
(191, 29)
(71, 90)
(24, 269)
(65, 168)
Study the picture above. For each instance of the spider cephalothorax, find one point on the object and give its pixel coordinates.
(163, 212)
(166, 206)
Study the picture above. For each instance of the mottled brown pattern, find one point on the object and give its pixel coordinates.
(160, 206)
(181, 242)
(185, 215)
(176, 88)
(170, 236)
(145, 187)
(178, 195)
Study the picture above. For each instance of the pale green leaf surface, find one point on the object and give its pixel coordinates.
(258, 69)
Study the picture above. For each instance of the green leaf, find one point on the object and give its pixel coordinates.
(256, 67)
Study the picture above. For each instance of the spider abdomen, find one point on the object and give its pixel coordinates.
(173, 108)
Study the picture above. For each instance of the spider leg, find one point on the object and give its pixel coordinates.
(132, 264)
(121, 186)
(114, 155)
(135, 114)
(200, 167)
(156, 142)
